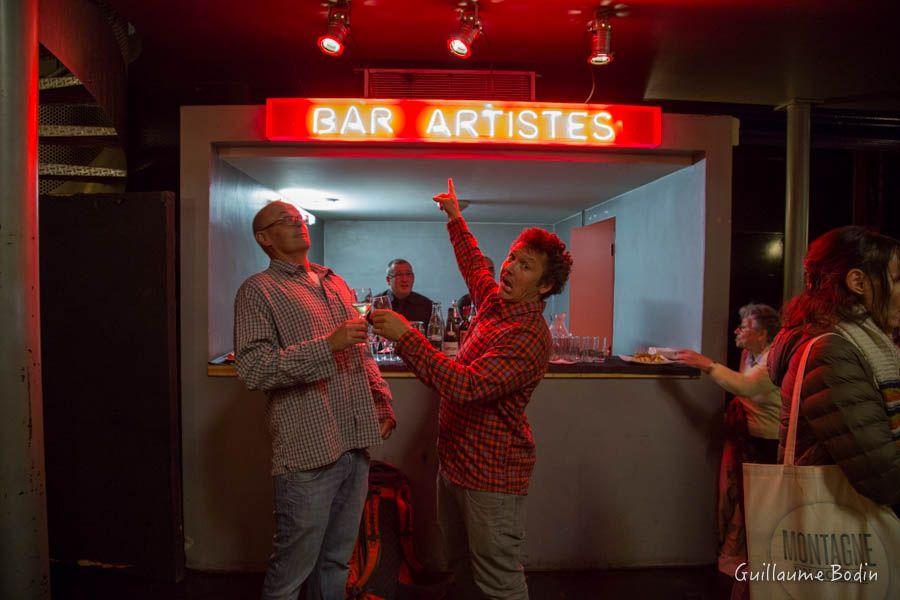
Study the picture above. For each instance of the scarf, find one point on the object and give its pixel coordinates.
(884, 358)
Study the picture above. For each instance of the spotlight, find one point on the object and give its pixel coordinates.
(601, 40)
(460, 43)
(332, 42)
(601, 32)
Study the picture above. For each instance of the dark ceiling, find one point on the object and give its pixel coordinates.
(730, 51)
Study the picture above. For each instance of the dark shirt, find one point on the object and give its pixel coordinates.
(464, 301)
(414, 307)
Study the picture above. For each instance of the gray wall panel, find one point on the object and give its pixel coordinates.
(659, 261)
(618, 466)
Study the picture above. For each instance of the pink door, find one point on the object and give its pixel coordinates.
(592, 278)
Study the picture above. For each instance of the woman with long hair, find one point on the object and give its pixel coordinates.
(850, 395)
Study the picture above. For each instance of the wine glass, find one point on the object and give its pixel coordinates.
(387, 348)
(362, 300)
(594, 353)
(381, 302)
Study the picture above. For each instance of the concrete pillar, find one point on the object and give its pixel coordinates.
(24, 564)
(796, 225)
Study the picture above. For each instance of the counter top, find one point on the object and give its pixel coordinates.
(612, 368)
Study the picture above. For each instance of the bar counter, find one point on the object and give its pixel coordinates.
(612, 368)
(625, 472)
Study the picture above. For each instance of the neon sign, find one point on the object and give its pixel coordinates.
(463, 121)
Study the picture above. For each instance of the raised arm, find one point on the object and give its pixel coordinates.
(469, 258)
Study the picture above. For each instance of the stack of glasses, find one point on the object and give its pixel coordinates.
(574, 349)
(382, 350)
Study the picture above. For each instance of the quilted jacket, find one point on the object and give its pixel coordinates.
(843, 420)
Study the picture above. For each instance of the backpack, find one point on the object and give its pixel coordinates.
(383, 565)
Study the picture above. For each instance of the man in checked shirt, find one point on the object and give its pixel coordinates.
(485, 446)
(297, 338)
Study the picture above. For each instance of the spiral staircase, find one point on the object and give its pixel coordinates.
(81, 124)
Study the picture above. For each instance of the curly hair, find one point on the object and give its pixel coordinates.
(827, 300)
(559, 260)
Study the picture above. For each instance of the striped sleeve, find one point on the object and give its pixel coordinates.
(506, 367)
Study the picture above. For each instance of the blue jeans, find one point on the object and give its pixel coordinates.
(317, 515)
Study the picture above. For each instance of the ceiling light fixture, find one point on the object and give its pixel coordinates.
(332, 42)
(601, 32)
(310, 199)
(460, 43)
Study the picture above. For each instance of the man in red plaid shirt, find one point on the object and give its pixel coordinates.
(485, 445)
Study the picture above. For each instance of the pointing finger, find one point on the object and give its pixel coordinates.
(450, 189)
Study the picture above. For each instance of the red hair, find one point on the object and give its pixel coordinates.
(827, 300)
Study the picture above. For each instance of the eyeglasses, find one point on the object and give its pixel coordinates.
(285, 220)
(402, 275)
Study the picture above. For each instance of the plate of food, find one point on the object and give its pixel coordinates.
(645, 358)
(670, 353)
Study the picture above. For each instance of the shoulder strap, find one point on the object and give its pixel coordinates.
(790, 444)
(370, 541)
(405, 518)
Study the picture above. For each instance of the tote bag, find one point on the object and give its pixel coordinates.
(810, 535)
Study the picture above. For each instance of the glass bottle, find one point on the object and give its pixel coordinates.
(465, 322)
(435, 330)
(558, 327)
(450, 345)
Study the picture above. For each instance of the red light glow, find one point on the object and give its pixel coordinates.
(331, 45)
(459, 48)
(460, 43)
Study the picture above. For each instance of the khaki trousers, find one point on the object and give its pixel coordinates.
(484, 536)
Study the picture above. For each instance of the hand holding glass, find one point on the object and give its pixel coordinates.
(381, 302)
(362, 300)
